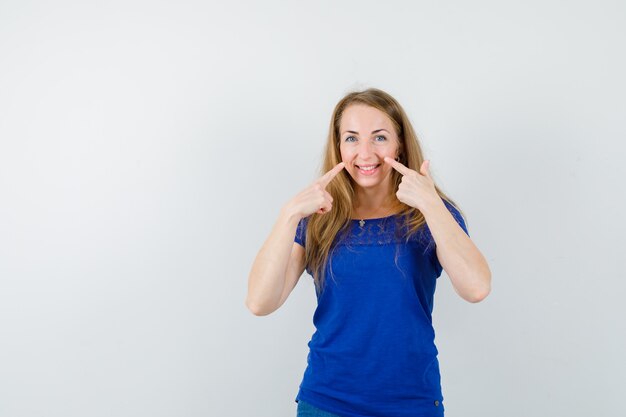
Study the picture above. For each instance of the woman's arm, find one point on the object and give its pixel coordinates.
(280, 262)
(457, 254)
(277, 267)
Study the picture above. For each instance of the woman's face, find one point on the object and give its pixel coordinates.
(366, 137)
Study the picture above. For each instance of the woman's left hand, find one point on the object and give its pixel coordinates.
(417, 189)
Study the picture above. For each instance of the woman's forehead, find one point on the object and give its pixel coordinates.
(364, 119)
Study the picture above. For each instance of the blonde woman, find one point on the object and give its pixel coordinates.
(374, 232)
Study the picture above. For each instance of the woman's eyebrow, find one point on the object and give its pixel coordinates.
(374, 131)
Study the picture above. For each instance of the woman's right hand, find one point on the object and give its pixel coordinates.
(315, 198)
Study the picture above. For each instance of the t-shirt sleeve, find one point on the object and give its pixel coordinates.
(461, 222)
(301, 231)
(457, 216)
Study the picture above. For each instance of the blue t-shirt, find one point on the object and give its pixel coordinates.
(373, 352)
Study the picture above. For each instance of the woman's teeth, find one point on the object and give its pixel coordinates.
(367, 168)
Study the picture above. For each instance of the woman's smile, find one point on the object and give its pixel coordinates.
(368, 170)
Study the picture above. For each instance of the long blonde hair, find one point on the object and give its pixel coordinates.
(323, 228)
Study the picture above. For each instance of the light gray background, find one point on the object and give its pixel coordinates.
(147, 146)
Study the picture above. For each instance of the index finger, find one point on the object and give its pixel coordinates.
(398, 166)
(328, 177)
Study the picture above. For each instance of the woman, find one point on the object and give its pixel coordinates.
(375, 233)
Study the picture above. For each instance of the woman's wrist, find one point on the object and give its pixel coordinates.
(290, 214)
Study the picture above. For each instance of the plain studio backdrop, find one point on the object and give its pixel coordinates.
(147, 148)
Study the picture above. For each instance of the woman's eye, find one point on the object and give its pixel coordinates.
(350, 139)
(380, 138)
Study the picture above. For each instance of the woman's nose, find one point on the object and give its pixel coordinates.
(366, 148)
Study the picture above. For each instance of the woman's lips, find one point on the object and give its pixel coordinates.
(368, 169)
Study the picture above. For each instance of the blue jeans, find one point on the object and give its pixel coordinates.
(307, 410)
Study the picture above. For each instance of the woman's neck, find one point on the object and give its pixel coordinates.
(374, 204)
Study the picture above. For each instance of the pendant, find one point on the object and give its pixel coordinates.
(361, 222)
